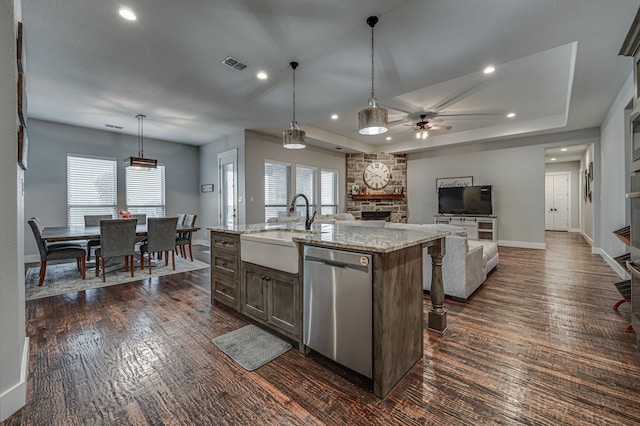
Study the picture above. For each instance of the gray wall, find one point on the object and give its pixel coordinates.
(46, 185)
(516, 170)
(609, 190)
(260, 147)
(13, 343)
(573, 168)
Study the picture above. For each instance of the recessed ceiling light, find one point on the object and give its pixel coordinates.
(490, 69)
(388, 138)
(563, 149)
(511, 115)
(127, 14)
(262, 75)
(334, 116)
(552, 159)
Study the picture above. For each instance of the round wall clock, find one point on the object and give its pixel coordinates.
(376, 175)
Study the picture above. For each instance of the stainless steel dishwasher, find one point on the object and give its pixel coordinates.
(337, 315)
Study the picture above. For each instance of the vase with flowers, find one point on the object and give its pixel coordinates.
(124, 214)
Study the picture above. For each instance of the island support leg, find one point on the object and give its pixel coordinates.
(437, 314)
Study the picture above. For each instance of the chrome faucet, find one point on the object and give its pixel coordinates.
(292, 207)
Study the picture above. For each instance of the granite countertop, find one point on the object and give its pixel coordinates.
(359, 238)
(367, 239)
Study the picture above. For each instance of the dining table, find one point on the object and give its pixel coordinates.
(81, 232)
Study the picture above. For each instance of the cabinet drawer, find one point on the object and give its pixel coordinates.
(225, 291)
(225, 263)
(224, 242)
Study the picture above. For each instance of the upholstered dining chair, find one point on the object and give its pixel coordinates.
(94, 220)
(142, 218)
(161, 237)
(184, 238)
(117, 238)
(57, 251)
(181, 218)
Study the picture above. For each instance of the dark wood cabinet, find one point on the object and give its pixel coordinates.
(272, 297)
(225, 262)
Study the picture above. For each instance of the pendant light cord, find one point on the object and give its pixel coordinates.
(372, 66)
(294, 95)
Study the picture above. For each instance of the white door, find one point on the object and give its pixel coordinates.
(228, 184)
(556, 201)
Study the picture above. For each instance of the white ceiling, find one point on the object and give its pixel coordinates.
(557, 66)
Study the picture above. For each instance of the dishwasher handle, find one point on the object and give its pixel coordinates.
(337, 264)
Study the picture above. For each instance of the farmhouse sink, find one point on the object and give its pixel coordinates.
(273, 249)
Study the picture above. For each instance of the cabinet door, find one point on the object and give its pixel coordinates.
(254, 292)
(283, 294)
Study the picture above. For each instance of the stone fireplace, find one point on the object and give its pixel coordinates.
(390, 202)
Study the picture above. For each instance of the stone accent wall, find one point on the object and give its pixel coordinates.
(397, 164)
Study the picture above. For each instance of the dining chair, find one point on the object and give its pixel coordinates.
(142, 218)
(181, 218)
(184, 238)
(57, 251)
(161, 237)
(117, 238)
(94, 220)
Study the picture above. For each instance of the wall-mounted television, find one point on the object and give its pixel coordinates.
(469, 200)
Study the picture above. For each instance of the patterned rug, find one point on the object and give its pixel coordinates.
(251, 346)
(65, 277)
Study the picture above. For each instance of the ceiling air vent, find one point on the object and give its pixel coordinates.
(234, 63)
(113, 126)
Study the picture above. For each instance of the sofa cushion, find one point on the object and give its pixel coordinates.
(489, 248)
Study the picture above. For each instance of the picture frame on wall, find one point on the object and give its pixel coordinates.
(23, 147)
(451, 182)
(22, 101)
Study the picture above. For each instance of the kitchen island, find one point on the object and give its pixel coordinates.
(274, 298)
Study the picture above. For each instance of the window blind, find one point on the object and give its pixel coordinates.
(305, 184)
(277, 189)
(91, 187)
(328, 192)
(145, 191)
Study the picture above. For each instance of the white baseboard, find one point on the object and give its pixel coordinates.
(16, 397)
(611, 262)
(589, 240)
(578, 230)
(523, 244)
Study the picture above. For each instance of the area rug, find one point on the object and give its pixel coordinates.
(65, 278)
(251, 346)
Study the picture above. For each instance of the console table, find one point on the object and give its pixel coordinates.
(477, 227)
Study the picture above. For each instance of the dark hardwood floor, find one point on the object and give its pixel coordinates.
(537, 344)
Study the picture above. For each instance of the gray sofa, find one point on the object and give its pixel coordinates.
(466, 262)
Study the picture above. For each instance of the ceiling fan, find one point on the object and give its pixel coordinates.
(423, 126)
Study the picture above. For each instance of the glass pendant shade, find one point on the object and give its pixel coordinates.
(373, 120)
(422, 134)
(294, 138)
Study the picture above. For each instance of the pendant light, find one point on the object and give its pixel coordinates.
(294, 138)
(139, 162)
(372, 120)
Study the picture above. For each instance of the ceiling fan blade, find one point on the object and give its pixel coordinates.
(440, 127)
(399, 122)
(455, 115)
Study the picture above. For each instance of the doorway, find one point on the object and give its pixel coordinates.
(228, 190)
(557, 196)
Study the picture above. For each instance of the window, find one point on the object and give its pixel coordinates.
(145, 191)
(91, 187)
(277, 189)
(305, 184)
(328, 192)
